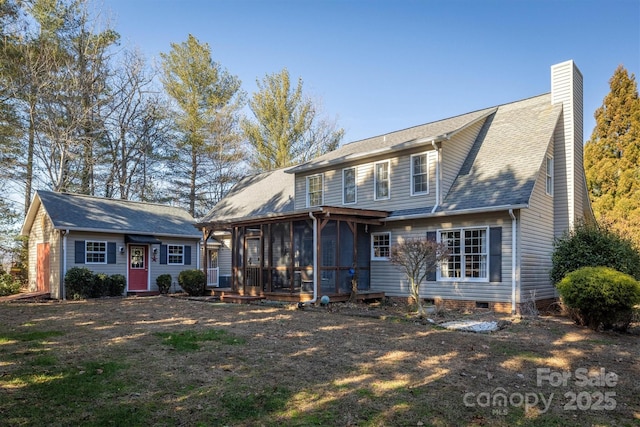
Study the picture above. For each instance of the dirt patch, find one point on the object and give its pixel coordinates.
(345, 364)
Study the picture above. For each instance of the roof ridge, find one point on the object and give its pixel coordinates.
(108, 199)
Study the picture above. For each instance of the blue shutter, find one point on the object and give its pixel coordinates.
(495, 254)
(111, 252)
(163, 254)
(187, 255)
(79, 251)
(431, 237)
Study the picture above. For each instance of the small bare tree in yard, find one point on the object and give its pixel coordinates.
(418, 258)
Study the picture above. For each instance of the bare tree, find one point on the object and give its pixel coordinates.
(418, 258)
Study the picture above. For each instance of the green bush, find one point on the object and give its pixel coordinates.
(79, 283)
(164, 283)
(192, 282)
(600, 296)
(116, 285)
(101, 282)
(589, 245)
(8, 284)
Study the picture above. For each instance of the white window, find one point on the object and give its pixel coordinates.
(419, 174)
(380, 246)
(95, 252)
(468, 254)
(314, 190)
(381, 180)
(349, 188)
(175, 254)
(550, 176)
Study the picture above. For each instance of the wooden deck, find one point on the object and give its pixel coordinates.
(26, 296)
(228, 295)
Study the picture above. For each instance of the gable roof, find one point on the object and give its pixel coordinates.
(394, 141)
(506, 158)
(89, 213)
(265, 194)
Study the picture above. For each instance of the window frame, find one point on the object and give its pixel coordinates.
(308, 194)
(375, 180)
(373, 246)
(463, 255)
(94, 252)
(355, 185)
(169, 254)
(549, 182)
(413, 174)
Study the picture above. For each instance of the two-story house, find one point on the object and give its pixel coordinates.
(496, 185)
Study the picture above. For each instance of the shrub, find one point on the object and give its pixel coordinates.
(100, 285)
(589, 245)
(164, 283)
(8, 284)
(116, 285)
(600, 296)
(192, 282)
(79, 283)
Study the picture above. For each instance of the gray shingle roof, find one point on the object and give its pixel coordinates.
(503, 165)
(87, 213)
(393, 141)
(265, 194)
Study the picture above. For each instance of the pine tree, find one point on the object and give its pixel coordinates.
(287, 129)
(612, 156)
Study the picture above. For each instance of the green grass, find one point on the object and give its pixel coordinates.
(6, 337)
(188, 340)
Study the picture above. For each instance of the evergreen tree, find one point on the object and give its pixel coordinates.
(612, 156)
(287, 129)
(208, 99)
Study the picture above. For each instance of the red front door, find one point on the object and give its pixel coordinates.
(138, 268)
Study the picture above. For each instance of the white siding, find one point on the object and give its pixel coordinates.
(537, 234)
(388, 278)
(566, 89)
(224, 257)
(42, 232)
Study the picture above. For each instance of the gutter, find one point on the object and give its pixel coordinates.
(65, 233)
(315, 263)
(513, 261)
(435, 146)
(456, 212)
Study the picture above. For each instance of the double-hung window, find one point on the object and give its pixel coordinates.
(95, 252)
(419, 174)
(314, 190)
(550, 176)
(349, 189)
(382, 180)
(380, 246)
(175, 254)
(468, 254)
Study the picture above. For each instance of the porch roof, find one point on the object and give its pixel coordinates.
(363, 216)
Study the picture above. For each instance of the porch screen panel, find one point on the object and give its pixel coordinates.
(364, 256)
(328, 257)
(303, 255)
(346, 246)
(280, 257)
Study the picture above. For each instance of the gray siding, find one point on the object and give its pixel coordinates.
(454, 153)
(537, 234)
(400, 188)
(388, 278)
(224, 257)
(121, 265)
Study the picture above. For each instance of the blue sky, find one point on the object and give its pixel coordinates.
(380, 66)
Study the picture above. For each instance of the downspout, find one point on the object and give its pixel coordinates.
(63, 294)
(513, 261)
(435, 146)
(315, 262)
